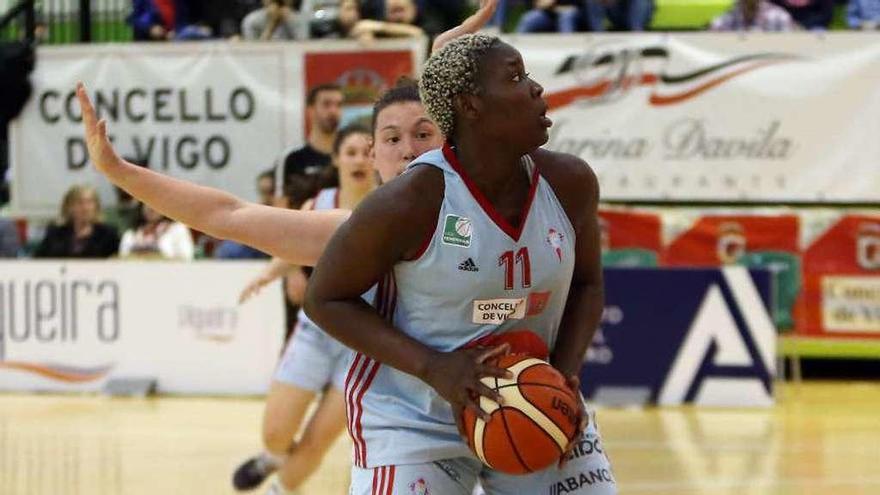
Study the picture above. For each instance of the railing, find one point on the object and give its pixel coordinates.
(67, 21)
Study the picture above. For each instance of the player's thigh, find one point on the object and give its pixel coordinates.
(587, 472)
(326, 423)
(447, 477)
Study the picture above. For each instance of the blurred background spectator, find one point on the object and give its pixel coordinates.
(156, 236)
(275, 20)
(79, 233)
(164, 20)
(621, 15)
(754, 15)
(811, 14)
(548, 16)
(232, 250)
(302, 167)
(10, 243)
(863, 14)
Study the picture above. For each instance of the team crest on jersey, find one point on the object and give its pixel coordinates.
(457, 231)
(554, 239)
(419, 487)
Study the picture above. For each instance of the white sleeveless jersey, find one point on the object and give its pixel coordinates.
(478, 280)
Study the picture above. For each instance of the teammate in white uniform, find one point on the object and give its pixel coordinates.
(313, 363)
(491, 221)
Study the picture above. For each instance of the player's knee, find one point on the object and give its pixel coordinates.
(277, 439)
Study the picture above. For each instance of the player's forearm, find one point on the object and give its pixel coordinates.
(580, 320)
(202, 208)
(277, 268)
(372, 335)
(470, 25)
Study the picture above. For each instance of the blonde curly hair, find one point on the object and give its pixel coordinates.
(450, 72)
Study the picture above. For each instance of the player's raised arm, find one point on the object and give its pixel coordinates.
(295, 236)
(470, 25)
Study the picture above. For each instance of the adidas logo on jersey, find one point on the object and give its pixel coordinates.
(468, 265)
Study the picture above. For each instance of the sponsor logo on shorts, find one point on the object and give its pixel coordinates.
(457, 231)
(419, 487)
(585, 447)
(573, 484)
(497, 311)
(450, 470)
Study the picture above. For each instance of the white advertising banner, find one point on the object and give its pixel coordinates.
(716, 117)
(217, 114)
(71, 326)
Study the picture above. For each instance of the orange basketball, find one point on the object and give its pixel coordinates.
(535, 424)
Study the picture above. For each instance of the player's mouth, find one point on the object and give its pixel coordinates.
(360, 174)
(545, 121)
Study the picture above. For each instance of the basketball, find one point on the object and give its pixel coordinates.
(537, 421)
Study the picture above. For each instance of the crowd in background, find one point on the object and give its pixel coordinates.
(369, 19)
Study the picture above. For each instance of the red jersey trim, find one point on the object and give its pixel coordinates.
(500, 221)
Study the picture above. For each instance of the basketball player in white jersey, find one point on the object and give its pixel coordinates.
(490, 218)
(313, 364)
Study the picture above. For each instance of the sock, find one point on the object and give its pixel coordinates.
(269, 461)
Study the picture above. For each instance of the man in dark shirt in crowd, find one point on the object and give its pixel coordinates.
(303, 167)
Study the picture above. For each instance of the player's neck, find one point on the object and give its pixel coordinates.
(322, 141)
(492, 167)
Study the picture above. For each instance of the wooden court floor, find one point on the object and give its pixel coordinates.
(822, 438)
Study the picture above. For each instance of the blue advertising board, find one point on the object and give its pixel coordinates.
(674, 336)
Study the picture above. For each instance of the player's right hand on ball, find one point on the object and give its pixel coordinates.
(101, 151)
(456, 377)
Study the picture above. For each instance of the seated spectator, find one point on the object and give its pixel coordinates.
(863, 14)
(233, 250)
(274, 21)
(322, 18)
(224, 16)
(754, 15)
(156, 236)
(401, 20)
(550, 16)
(164, 20)
(624, 15)
(79, 233)
(811, 14)
(10, 243)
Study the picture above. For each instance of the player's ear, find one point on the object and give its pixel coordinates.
(466, 105)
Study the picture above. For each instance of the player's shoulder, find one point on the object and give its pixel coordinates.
(572, 179)
(414, 194)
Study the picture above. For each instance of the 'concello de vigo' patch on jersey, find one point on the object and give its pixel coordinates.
(497, 311)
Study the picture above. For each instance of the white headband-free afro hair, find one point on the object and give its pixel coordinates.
(450, 72)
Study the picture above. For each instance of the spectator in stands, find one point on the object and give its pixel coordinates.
(164, 20)
(224, 16)
(156, 236)
(624, 15)
(563, 16)
(811, 14)
(274, 21)
(302, 167)
(233, 250)
(79, 233)
(322, 18)
(754, 15)
(863, 14)
(10, 244)
(401, 20)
